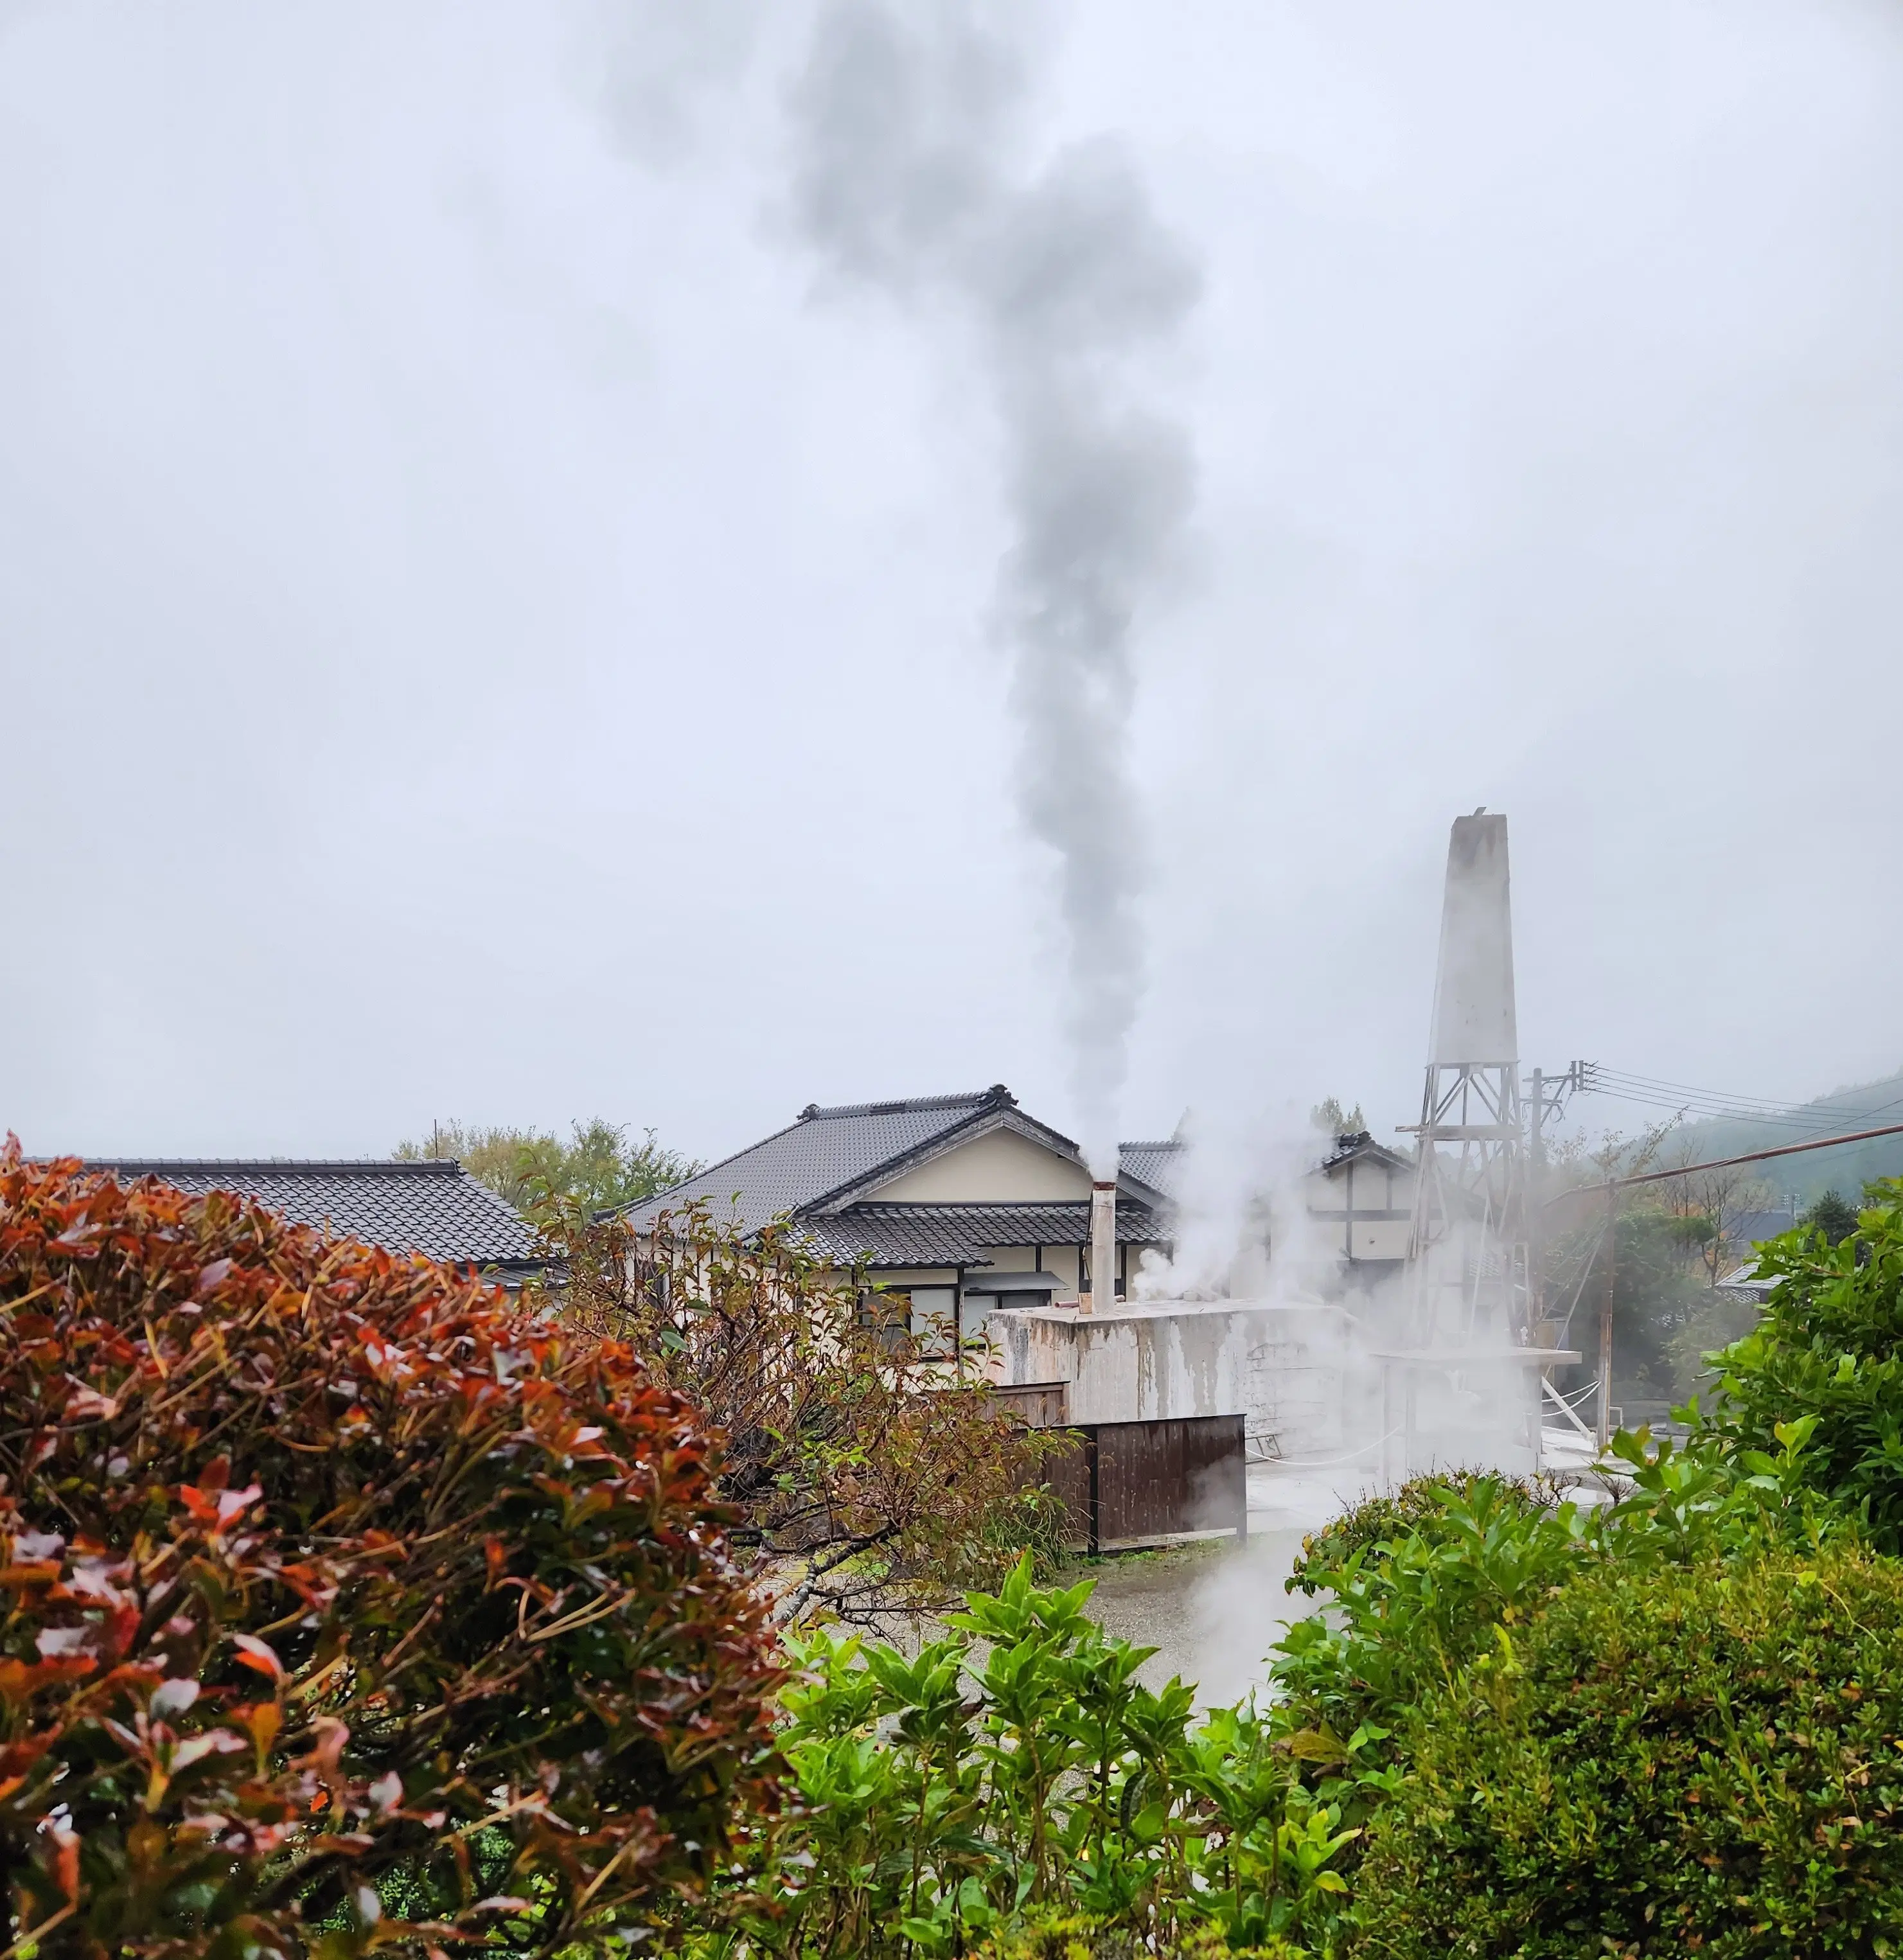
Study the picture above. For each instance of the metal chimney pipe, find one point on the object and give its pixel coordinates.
(1103, 1247)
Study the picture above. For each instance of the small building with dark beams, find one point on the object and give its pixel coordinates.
(1360, 1198)
(959, 1204)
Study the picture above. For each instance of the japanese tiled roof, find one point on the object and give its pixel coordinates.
(429, 1205)
(1358, 1147)
(963, 1235)
(812, 1169)
(822, 1152)
(1159, 1165)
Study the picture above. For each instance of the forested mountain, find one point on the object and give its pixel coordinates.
(1864, 1105)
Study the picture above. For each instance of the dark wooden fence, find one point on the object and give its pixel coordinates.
(1036, 1405)
(1130, 1484)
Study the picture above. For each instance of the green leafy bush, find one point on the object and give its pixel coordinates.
(1420, 1504)
(337, 1589)
(1424, 1582)
(1689, 1759)
(1014, 1782)
(1418, 1581)
(1829, 1351)
(1075, 1936)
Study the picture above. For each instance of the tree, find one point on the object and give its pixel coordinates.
(871, 1473)
(1658, 1290)
(1669, 1254)
(340, 1592)
(1332, 1120)
(1829, 1349)
(599, 1167)
(1710, 1202)
(1834, 1215)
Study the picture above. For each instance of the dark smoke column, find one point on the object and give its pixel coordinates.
(905, 123)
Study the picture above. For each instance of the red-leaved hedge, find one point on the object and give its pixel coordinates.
(346, 1607)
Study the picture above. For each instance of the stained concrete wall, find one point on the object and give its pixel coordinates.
(1281, 1366)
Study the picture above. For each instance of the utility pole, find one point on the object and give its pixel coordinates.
(1604, 1424)
(1535, 1225)
(1546, 1096)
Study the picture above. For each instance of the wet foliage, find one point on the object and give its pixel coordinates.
(1702, 1759)
(1014, 1783)
(1828, 1351)
(871, 1471)
(347, 1608)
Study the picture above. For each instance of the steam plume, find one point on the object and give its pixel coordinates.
(904, 124)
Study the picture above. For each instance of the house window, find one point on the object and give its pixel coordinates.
(933, 1310)
(889, 1309)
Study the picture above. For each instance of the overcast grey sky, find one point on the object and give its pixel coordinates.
(493, 627)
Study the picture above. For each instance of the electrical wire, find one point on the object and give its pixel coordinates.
(1612, 1082)
(1721, 1105)
(1692, 1089)
(1680, 1107)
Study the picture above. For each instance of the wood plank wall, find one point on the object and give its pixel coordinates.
(1132, 1483)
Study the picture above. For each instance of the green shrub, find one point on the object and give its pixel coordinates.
(1072, 1936)
(1014, 1782)
(337, 1593)
(1418, 1582)
(1695, 1759)
(1829, 1348)
(1420, 1504)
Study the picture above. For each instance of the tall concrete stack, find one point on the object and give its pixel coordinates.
(1467, 1272)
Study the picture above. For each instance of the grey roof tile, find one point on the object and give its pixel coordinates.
(1360, 1148)
(826, 1152)
(431, 1205)
(963, 1235)
(1158, 1165)
(821, 1150)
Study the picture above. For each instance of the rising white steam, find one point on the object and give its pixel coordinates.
(905, 123)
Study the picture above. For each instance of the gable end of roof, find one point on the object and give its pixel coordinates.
(983, 1121)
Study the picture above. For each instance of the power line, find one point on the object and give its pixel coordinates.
(1701, 1113)
(1727, 1163)
(1722, 1106)
(1704, 1095)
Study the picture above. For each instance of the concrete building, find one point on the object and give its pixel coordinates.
(1283, 1364)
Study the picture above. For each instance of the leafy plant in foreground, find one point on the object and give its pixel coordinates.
(1408, 1610)
(338, 1595)
(1828, 1351)
(1702, 1759)
(1015, 1775)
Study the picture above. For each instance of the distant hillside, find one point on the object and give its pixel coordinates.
(1862, 1107)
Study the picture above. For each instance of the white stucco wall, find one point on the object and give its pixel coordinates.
(1000, 1169)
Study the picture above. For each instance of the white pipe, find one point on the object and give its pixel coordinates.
(1103, 1248)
